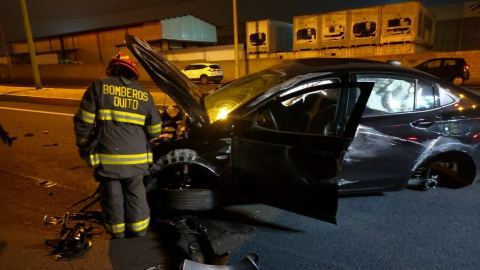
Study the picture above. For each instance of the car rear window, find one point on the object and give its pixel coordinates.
(446, 98)
(215, 67)
(450, 62)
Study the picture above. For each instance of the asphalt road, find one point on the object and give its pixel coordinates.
(437, 229)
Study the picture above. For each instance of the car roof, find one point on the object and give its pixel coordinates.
(204, 64)
(310, 65)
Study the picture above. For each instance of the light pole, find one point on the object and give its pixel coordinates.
(31, 46)
(235, 32)
(9, 61)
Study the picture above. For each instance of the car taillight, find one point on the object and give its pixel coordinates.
(466, 67)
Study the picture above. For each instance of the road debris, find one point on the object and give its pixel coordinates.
(29, 135)
(45, 132)
(201, 253)
(5, 138)
(74, 241)
(71, 242)
(55, 144)
(248, 263)
(47, 184)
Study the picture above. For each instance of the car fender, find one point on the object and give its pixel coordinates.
(449, 144)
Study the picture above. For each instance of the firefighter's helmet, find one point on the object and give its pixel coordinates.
(118, 60)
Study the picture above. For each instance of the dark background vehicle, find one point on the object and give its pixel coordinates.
(454, 70)
(267, 134)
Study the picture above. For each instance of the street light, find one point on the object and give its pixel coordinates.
(31, 46)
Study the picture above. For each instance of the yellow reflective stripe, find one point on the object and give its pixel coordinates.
(154, 129)
(94, 159)
(116, 228)
(150, 157)
(85, 116)
(138, 226)
(124, 159)
(81, 141)
(120, 116)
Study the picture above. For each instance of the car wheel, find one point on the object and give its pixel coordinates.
(188, 199)
(204, 79)
(457, 80)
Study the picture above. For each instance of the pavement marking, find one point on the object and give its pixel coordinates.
(34, 111)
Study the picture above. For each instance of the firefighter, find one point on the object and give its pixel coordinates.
(113, 125)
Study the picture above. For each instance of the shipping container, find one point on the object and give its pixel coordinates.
(186, 28)
(363, 51)
(306, 29)
(334, 29)
(406, 48)
(320, 31)
(334, 53)
(407, 22)
(364, 26)
(268, 36)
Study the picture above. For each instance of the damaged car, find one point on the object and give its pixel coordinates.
(295, 135)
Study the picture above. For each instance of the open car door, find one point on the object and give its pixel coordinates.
(288, 152)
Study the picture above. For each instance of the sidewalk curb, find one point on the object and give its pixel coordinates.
(41, 100)
(66, 102)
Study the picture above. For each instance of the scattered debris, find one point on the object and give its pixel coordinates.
(55, 144)
(91, 196)
(3, 244)
(5, 138)
(45, 132)
(52, 220)
(248, 263)
(90, 216)
(73, 240)
(28, 135)
(47, 184)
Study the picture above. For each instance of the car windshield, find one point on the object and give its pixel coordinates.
(231, 96)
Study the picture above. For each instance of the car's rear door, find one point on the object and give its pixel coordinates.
(287, 153)
(400, 122)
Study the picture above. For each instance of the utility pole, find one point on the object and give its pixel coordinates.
(235, 32)
(9, 61)
(31, 46)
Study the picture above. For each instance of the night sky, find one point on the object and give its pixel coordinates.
(51, 17)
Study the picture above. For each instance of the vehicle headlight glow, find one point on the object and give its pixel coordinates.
(222, 114)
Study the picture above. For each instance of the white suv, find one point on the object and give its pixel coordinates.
(204, 72)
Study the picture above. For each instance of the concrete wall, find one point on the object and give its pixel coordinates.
(93, 71)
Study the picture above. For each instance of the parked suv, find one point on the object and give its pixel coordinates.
(455, 70)
(204, 72)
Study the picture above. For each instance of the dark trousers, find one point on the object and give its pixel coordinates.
(124, 204)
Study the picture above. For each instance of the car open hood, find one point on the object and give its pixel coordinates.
(169, 79)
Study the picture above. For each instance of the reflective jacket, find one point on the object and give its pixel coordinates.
(113, 124)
